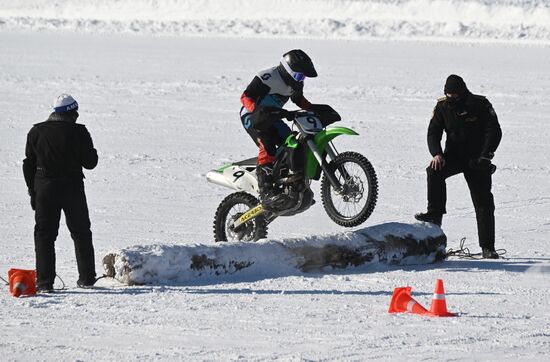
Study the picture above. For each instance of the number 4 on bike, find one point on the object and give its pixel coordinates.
(349, 187)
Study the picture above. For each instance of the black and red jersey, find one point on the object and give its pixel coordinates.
(269, 89)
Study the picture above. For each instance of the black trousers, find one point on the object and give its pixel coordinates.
(52, 196)
(267, 139)
(479, 182)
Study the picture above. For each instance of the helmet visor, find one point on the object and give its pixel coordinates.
(297, 76)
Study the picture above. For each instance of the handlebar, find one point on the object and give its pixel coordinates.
(326, 113)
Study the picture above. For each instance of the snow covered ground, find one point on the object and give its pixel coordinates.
(164, 110)
(472, 20)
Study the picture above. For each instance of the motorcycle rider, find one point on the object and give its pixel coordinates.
(262, 113)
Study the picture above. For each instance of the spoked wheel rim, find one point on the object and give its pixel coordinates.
(245, 232)
(353, 198)
(230, 209)
(359, 190)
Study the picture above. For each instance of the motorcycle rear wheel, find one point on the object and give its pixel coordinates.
(354, 205)
(230, 209)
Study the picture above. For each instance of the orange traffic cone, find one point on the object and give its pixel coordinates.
(22, 282)
(401, 301)
(439, 305)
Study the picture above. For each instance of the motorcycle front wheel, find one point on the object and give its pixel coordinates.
(355, 202)
(229, 210)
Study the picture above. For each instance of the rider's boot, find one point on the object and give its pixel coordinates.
(270, 197)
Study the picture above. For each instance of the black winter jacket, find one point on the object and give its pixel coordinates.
(58, 148)
(472, 129)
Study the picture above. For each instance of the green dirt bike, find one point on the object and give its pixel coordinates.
(349, 187)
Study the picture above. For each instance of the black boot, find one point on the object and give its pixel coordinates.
(489, 253)
(86, 284)
(270, 197)
(432, 217)
(44, 289)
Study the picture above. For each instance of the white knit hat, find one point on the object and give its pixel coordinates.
(64, 103)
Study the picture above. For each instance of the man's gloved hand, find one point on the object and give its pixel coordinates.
(483, 162)
(480, 163)
(32, 194)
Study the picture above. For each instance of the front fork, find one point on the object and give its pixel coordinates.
(324, 165)
(330, 151)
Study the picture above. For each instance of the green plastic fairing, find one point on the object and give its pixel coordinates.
(224, 167)
(321, 139)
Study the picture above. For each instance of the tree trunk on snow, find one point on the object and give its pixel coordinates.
(392, 243)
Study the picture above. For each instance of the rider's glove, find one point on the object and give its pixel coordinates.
(271, 112)
(279, 113)
(263, 117)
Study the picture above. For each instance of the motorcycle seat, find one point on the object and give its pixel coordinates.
(248, 162)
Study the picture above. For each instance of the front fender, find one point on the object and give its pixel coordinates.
(321, 139)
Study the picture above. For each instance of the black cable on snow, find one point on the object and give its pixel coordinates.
(62, 282)
(464, 253)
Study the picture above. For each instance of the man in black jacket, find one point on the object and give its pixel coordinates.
(473, 135)
(56, 151)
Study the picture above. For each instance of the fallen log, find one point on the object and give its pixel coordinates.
(391, 243)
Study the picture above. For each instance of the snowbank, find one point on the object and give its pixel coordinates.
(391, 243)
(487, 20)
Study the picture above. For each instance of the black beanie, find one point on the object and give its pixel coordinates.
(455, 84)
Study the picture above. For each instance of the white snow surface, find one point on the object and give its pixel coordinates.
(164, 110)
(457, 20)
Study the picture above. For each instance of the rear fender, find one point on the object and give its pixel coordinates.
(234, 177)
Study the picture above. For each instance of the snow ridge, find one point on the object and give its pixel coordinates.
(470, 20)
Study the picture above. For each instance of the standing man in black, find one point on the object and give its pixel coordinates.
(56, 151)
(473, 135)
